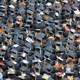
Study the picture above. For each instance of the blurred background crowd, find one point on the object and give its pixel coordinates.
(39, 39)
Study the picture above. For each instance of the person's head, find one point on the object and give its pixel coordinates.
(19, 20)
(1, 29)
(10, 22)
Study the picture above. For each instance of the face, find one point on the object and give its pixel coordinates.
(1, 30)
(10, 23)
(19, 20)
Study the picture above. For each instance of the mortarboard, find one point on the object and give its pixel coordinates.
(14, 51)
(45, 76)
(28, 21)
(4, 47)
(12, 6)
(47, 54)
(1, 14)
(71, 53)
(27, 49)
(77, 34)
(73, 30)
(15, 46)
(22, 76)
(30, 17)
(78, 26)
(2, 7)
(28, 39)
(59, 58)
(37, 54)
(49, 4)
(27, 25)
(24, 61)
(29, 11)
(36, 61)
(23, 54)
(49, 48)
(11, 71)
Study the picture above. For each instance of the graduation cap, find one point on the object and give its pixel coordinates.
(11, 71)
(14, 56)
(48, 4)
(20, 37)
(78, 0)
(37, 54)
(28, 21)
(2, 8)
(47, 54)
(37, 30)
(4, 47)
(57, 35)
(26, 50)
(22, 76)
(50, 78)
(49, 47)
(28, 39)
(39, 21)
(30, 7)
(77, 34)
(78, 26)
(24, 61)
(36, 61)
(31, 35)
(47, 24)
(57, 14)
(45, 76)
(21, 11)
(45, 16)
(27, 25)
(15, 46)
(1, 14)
(41, 13)
(30, 17)
(39, 77)
(77, 12)
(14, 50)
(23, 54)
(38, 17)
(72, 30)
(72, 54)
(60, 59)
(49, 30)
(12, 7)
(69, 72)
(29, 12)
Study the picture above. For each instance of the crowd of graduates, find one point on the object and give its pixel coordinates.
(39, 39)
